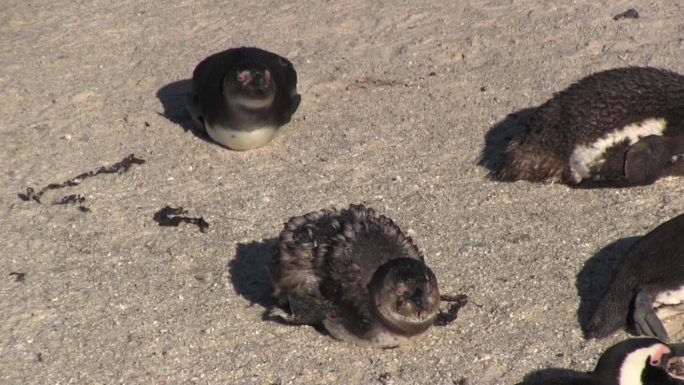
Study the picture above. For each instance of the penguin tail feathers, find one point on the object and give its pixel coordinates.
(521, 161)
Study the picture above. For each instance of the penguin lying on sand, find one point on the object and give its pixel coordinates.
(648, 287)
(636, 361)
(357, 274)
(243, 95)
(620, 127)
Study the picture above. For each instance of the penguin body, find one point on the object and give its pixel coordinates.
(648, 287)
(620, 127)
(241, 96)
(357, 274)
(636, 361)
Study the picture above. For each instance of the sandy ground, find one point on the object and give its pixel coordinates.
(398, 98)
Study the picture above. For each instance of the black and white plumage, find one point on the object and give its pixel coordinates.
(241, 96)
(636, 361)
(356, 273)
(620, 127)
(648, 287)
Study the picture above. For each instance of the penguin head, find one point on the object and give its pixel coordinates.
(249, 85)
(405, 295)
(637, 361)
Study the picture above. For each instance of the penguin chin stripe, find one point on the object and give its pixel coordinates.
(636, 361)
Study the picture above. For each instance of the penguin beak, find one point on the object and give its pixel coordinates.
(260, 80)
(421, 300)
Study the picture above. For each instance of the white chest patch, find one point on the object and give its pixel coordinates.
(241, 140)
(635, 362)
(585, 157)
(669, 307)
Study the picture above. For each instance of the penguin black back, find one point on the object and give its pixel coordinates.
(618, 127)
(652, 269)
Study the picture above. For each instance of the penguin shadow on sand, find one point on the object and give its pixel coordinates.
(173, 98)
(500, 134)
(250, 275)
(596, 275)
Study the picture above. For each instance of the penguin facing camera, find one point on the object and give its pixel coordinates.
(616, 128)
(356, 273)
(242, 96)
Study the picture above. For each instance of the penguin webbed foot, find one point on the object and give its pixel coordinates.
(457, 302)
(646, 322)
(645, 160)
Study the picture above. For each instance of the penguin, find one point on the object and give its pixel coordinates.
(648, 289)
(636, 361)
(241, 96)
(358, 275)
(616, 128)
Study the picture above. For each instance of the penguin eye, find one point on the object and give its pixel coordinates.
(282, 62)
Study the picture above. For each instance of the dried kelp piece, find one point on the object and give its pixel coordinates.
(18, 277)
(446, 317)
(119, 167)
(170, 216)
(628, 14)
(73, 198)
(362, 84)
(68, 199)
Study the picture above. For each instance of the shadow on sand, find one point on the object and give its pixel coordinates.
(595, 277)
(498, 136)
(172, 97)
(250, 272)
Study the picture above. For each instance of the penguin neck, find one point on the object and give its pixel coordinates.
(249, 110)
(400, 325)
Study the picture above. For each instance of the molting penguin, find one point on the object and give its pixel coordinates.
(357, 274)
(620, 127)
(648, 287)
(243, 95)
(636, 361)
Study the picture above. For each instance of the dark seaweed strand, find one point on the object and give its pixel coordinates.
(119, 167)
(457, 302)
(69, 199)
(18, 277)
(170, 216)
(73, 198)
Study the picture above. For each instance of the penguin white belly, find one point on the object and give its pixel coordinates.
(669, 307)
(241, 140)
(586, 157)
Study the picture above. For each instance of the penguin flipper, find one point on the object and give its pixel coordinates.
(645, 319)
(294, 103)
(192, 104)
(645, 160)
